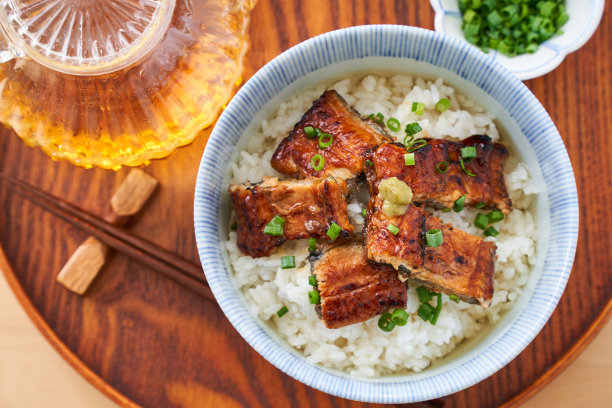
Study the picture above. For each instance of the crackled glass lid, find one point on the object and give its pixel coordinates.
(86, 37)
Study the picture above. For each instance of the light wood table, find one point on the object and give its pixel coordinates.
(32, 374)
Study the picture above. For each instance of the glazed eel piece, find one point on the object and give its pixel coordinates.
(353, 290)
(463, 265)
(351, 135)
(308, 208)
(441, 187)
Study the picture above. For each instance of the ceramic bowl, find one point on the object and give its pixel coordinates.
(584, 19)
(411, 50)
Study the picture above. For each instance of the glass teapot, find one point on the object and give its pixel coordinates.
(117, 82)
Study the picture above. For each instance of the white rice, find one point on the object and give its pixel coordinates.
(363, 349)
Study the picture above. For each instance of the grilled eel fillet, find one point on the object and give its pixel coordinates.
(309, 208)
(442, 189)
(353, 290)
(352, 136)
(463, 265)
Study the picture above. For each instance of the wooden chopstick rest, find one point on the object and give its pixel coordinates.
(89, 257)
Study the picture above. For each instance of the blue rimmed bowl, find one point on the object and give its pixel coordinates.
(585, 16)
(398, 49)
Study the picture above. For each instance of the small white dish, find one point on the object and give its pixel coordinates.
(584, 19)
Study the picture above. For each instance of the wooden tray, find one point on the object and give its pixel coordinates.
(144, 340)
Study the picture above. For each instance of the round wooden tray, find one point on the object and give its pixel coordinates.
(144, 340)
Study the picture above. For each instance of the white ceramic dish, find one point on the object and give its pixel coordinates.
(584, 19)
(410, 50)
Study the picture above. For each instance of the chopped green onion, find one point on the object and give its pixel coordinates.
(434, 318)
(275, 226)
(394, 230)
(442, 167)
(481, 221)
(495, 216)
(314, 297)
(334, 231)
(494, 18)
(394, 124)
(317, 132)
(446, 210)
(491, 232)
(399, 317)
(325, 143)
(468, 151)
(378, 118)
(426, 311)
(418, 108)
(443, 105)
(408, 140)
(309, 132)
(424, 294)
(234, 226)
(466, 170)
(479, 205)
(288, 262)
(413, 128)
(317, 162)
(369, 163)
(417, 144)
(459, 203)
(454, 298)
(385, 322)
(282, 311)
(434, 238)
(312, 244)
(312, 280)
(409, 159)
(363, 213)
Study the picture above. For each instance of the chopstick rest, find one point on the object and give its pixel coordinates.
(85, 263)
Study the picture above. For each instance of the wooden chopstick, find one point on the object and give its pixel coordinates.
(169, 264)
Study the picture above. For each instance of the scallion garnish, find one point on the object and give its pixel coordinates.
(378, 118)
(393, 229)
(309, 132)
(385, 322)
(317, 162)
(334, 231)
(495, 216)
(434, 238)
(468, 152)
(443, 105)
(424, 294)
(442, 167)
(275, 226)
(454, 298)
(312, 244)
(459, 203)
(469, 173)
(288, 262)
(314, 297)
(399, 317)
(282, 311)
(394, 124)
(481, 221)
(416, 145)
(418, 108)
(369, 163)
(426, 311)
(312, 280)
(409, 159)
(491, 232)
(325, 143)
(363, 213)
(434, 318)
(446, 210)
(413, 128)
(479, 205)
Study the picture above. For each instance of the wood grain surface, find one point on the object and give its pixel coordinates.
(147, 341)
